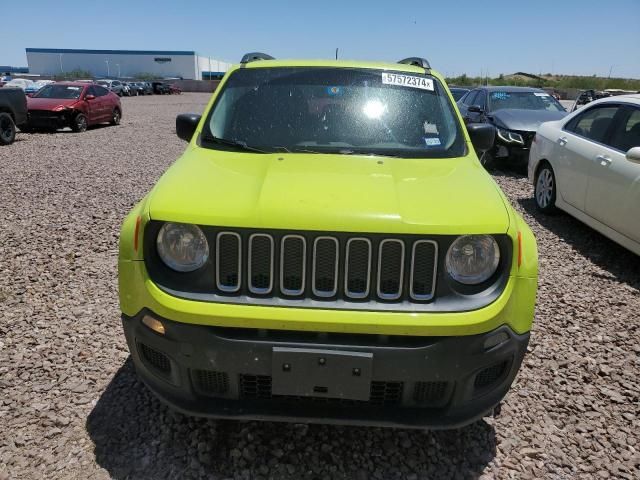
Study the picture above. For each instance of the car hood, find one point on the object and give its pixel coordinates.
(330, 192)
(522, 119)
(49, 103)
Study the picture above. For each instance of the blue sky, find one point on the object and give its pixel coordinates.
(494, 36)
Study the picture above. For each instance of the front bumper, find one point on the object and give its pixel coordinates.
(427, 382)
(49, 119)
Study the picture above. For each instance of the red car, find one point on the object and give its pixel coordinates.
(175, 90)
(73, 104)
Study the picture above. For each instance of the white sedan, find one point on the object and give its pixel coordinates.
(588, 164)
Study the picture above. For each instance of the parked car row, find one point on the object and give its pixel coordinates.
(76, 105)
(120, 88)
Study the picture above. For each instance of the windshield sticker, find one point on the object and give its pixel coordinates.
(540, 94)
(432, 142)
(430, 128)
(500, 95)
(73, 88)
(407, 81)
(334, 91)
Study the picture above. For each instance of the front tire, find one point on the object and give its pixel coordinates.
(7, 129)
(487, 160)
(79, 123)
(545, 189)
(115, 117)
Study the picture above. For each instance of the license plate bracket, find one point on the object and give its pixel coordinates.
(311, 372)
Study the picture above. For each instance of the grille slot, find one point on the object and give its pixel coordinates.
(429, 393)
(357, 268)
(260, 268)
(423, 269)
(228, 261)
(390, 269)
(211, 382)
(325, 267)
(155, 358)
(293, 265)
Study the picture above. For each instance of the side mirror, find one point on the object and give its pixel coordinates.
(483, 136)
(89, 97)
(475, 109)
(186, 124)
(633, 155)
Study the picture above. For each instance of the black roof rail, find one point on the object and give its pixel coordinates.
(253, 56)
(417, 62)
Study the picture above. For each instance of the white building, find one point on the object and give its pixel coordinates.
(124, 63)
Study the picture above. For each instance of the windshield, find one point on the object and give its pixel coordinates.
(335, 110)
(59, 91)
(524, 100)
(458, 93)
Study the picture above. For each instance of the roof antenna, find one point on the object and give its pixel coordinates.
(336, 53)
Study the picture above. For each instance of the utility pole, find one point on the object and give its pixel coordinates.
(61, 69)
(118, 65)
(336, 53)
(107, 62)
(610, 68)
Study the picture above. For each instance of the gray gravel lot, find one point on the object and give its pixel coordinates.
(71, 407)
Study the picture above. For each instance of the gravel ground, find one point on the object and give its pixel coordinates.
(71, 407)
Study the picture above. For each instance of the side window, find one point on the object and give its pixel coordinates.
(91, 91)
(481, 99)
(469, 99)
(115, 83)
(594, 123)
(100, 91)
(627, 132)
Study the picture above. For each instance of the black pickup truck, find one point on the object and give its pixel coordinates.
(13, 111)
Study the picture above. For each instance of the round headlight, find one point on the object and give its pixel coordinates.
(472, 259)
(182, 247)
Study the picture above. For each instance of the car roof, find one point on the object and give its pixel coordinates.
(491, 88)
(632, 98)
(73, 84)
(399, 67)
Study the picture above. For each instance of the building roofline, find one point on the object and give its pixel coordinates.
(110, 52)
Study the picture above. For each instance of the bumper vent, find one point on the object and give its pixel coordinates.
(210, 382)
(490, 375)
(259, 387)
(154, 358)
(430, 393)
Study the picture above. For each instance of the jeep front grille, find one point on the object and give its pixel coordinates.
(298, 266)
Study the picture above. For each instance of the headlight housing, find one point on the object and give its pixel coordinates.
(472, 259)
(510, 137)
(182, 247)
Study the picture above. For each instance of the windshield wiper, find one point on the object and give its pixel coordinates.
(240, 145)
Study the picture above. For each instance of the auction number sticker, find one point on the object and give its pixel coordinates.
(407, 81)
(540, 94)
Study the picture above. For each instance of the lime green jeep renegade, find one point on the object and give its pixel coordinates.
(329, 249)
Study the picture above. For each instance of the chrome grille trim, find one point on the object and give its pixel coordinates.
(412, 294)
(219, 284)
(304, 265)
(252, 288)
(398, 294)
(347, 292)
(322, 293)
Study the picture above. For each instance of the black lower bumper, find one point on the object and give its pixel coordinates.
(47, 119)
(424, 382)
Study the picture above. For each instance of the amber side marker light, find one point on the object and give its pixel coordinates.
(519, 249)
(154, 324)
(135, 233)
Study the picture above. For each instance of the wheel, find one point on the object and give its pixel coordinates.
(115, 117)
(545, 189)
(7, 129)
(487, 160)
(79, 123)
